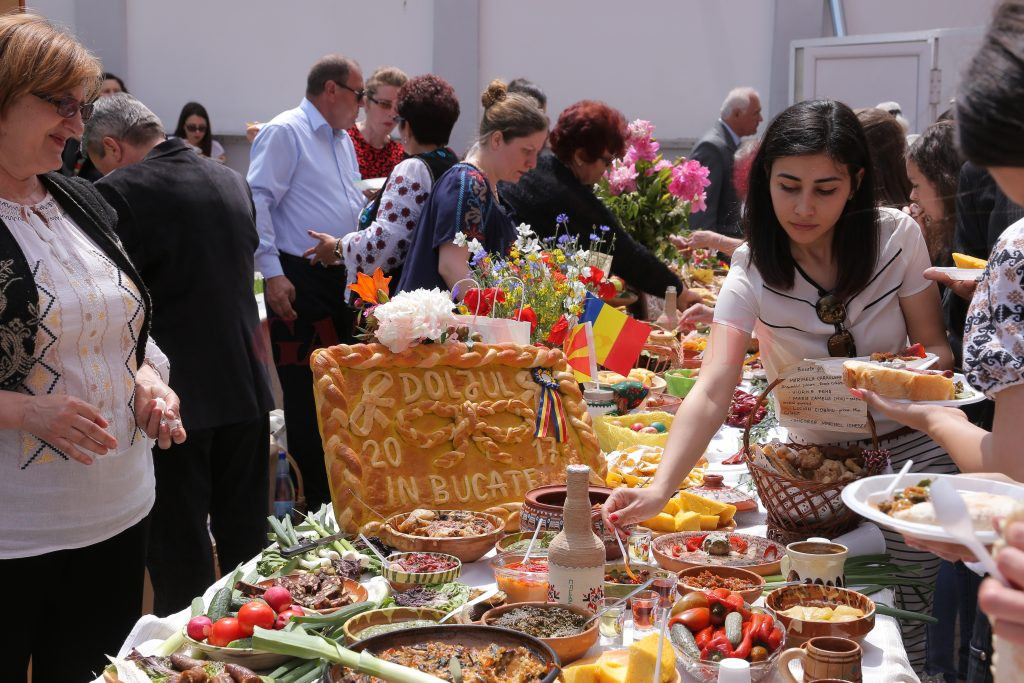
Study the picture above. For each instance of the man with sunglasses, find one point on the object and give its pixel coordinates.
(302, 172)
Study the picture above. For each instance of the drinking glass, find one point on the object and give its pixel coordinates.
(643, 605)
(664, 585)
(610, 623)
(639, 545)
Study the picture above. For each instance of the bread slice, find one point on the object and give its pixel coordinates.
(898, 383)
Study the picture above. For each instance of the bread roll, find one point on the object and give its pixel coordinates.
(898, 383)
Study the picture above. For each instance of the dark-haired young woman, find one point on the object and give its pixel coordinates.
(194, 128)
(823, 273)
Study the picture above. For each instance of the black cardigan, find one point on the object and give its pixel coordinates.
(551, 189)
(19, 299)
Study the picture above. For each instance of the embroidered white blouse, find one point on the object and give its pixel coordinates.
(90, 315)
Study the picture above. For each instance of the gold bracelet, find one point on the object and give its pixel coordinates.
(337, 250)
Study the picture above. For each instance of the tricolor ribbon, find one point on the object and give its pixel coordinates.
(550, 413)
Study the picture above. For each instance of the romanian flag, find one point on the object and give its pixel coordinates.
(618, 339)
(579, 352)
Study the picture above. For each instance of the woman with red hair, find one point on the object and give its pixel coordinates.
(586, 138)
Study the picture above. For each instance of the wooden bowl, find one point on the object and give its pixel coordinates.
(391, 615)
(764, 560)
(750, 595)
(462, 634)
(402, 580)
(466, 548)
(569, 648)
(799, 631)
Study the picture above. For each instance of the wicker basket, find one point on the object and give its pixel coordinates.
(800, 508)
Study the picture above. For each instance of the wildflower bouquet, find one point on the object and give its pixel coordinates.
(651, 197)
(542, 282)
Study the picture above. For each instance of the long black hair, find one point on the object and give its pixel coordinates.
(196, 109)
(807, 128)
(990, 127)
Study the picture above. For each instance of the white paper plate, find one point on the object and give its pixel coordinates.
(370, 184)
(856, 495)
(975, 397)
(834, 366)
(961, 273)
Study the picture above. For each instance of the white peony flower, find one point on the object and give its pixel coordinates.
(413, 317)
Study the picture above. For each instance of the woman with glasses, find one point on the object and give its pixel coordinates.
(194, 128)
(823, 273)
(587, 136)
(79, 379)
(376, 151)
(427, 112)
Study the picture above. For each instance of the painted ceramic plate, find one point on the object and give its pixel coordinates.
(761, 555)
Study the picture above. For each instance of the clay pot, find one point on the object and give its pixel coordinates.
(545, 503)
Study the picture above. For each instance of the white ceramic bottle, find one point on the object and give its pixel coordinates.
(576, 555)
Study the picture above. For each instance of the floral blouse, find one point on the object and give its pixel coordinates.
(373, 162)
(994, 334)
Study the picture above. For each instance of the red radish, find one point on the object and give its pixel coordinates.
(278, 598)
(283, 617)
(199, 628)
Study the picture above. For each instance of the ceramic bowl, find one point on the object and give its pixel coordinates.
(391, 615)
(350, 587)
(466, 548)
(568, 648)
(544, 504)
(246, 656)
(522, 540)
(402, 580)
(686, 577)
(517, 584)
(462, 634)
(665, 402)
(613, 589)
(708, 672)
(799, 631)
(680, 382)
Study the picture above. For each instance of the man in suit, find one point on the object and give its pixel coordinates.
(302, 171)
(740, 116)
(188, 225)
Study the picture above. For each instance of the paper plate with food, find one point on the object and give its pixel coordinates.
(717, 548)
(914, 357)
(965, 267)
(909, 510)
(911, 385)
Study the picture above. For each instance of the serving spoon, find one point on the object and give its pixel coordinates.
(625, 558)
(952, 515)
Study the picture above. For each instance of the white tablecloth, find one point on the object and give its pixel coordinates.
(884, 661)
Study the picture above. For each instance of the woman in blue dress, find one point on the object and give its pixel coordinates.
(465, 201)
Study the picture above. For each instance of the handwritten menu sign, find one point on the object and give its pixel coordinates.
(442, 426)
(811, 398)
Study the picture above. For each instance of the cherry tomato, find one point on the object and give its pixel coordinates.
(255, 613)
(224, 631)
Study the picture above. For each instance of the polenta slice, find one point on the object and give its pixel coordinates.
(965, 261)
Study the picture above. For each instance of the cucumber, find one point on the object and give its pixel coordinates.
(734, 628)
(683, 639)
(220, 604)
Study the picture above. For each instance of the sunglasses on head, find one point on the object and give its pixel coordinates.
(68, 106)
(195, 128)
(832, 311)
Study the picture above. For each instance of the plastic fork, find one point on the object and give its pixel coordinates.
(952, 514)
(876, 498)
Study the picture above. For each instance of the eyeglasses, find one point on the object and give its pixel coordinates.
(832, 311)
(68, 106)
(195, 128)
(360, 94)
(383, 104)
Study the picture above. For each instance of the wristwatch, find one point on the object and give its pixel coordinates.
(337, 249)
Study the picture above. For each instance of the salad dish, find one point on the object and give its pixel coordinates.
(699, 549)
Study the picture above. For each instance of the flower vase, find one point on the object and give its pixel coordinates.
(576, 555)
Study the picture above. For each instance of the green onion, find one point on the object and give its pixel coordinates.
(309, 646)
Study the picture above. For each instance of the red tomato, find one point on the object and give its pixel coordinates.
(224, 631)
(255, 613)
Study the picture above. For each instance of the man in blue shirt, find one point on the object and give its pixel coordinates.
(303, 171)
